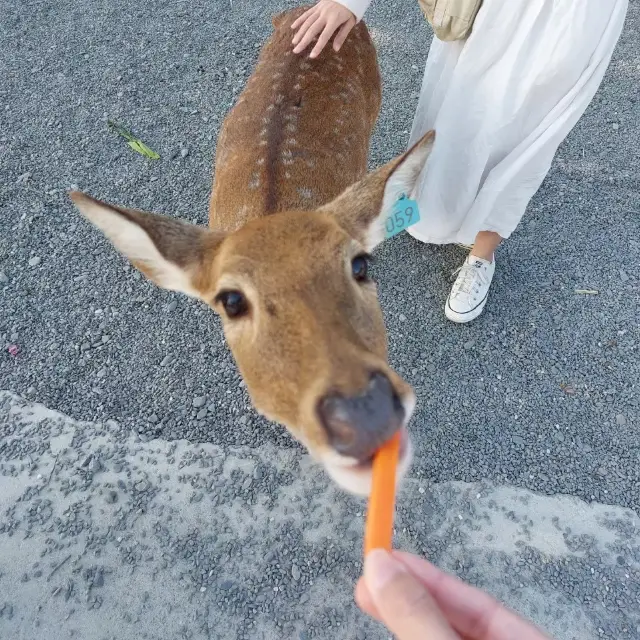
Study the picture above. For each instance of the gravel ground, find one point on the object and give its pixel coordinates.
(540, 394)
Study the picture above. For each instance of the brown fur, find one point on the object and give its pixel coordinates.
(285, 228)
(268, 157)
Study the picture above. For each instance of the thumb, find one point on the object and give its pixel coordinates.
(403, 603)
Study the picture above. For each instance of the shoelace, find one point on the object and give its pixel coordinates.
(467, 275)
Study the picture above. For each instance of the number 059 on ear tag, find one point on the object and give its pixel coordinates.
(404, 214)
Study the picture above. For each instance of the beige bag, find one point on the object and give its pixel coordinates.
(450, 19)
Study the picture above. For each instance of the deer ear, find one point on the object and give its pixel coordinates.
(171, 253)
(363, 208)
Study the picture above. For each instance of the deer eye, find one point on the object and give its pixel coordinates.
(234, 303)
(360, 268)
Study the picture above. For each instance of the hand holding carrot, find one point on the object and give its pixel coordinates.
(322, 21)
(417, 601)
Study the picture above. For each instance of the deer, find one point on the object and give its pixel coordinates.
(293, 219)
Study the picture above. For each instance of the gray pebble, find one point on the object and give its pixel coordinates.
(199, 401)
(35, 261)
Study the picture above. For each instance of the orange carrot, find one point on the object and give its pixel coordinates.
(378, 531)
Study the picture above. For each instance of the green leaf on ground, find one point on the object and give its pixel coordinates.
(135, 143)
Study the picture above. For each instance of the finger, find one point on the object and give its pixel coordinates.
(404, 604)
(298, 21)
(342, 34)
(470, 611)
(325, 36)
(365, 601)
(308, 23)
(311, 33)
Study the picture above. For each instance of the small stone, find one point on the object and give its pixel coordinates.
(184, 152)
(172, 306)
(3, 277)
(248, 481)
(621, 420)
(519, 440)
(168, 359)
(295, 572)
(24, 178)
(98, 581)
(111, 497)
(402, 317)
(142, 485)
(202, 413)
(199, 401)
(615, 126)
(35, 261)
(469, 344)
(153, 418)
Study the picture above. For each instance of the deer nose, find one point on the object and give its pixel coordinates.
(357, 426)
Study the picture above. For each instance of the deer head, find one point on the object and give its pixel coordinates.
(299, 310)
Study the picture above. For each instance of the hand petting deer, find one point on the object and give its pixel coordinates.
(284, 260)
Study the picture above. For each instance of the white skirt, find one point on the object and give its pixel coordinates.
(501, 103)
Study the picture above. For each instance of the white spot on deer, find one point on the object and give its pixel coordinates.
(287, 161)
(271, 107)
(297, 87)
(305, 193)
(241, 214)
(279, 98)
(287, 175)
(336, 130)
(291, 127)
(276, 75)
(260, 161)
(266, 120)
(254, 183)
(292, 142)
(263, 143)
(264, 132)
(304, 65)
(286, 153)
(310, 163)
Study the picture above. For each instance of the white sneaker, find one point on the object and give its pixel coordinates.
(470, 290)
